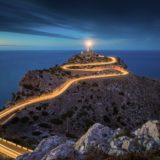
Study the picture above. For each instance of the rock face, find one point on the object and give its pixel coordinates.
(99, 140)
(150, 129)
(53, 148)
(118, 142)
(149, 135)
(44, 146)
(97, 137)
(63, 151)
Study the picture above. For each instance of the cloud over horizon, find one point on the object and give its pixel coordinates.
(135, 21)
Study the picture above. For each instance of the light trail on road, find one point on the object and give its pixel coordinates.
(61, 89)
(11, 149)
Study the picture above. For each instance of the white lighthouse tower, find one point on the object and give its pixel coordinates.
(89, 45)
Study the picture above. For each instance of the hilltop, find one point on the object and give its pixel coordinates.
(125, 101)
(37, 82)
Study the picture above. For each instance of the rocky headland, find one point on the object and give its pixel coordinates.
(88, 116)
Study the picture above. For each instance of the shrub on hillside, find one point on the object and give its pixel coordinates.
(56, 121)
(24, 119)
(45, 125)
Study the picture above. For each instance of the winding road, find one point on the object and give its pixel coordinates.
(12, 150)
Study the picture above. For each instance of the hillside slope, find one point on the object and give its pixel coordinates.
(125, 101)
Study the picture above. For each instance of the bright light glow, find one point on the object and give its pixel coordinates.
(88, 44)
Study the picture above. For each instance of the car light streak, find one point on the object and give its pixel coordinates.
(12, 151)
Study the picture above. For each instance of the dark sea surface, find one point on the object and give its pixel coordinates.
(14, 64)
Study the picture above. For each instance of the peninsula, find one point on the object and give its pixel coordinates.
(65, 101)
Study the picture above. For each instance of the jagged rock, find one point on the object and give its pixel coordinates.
(53, 142)
(53, 148)
(128, 144)
(114, 142)
(148, 135)
(122, 145)
(64, 151)
(96, 138)
(44, 147)
(151, 129)
(101, 138)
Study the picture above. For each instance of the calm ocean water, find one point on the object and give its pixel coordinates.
(14, 64)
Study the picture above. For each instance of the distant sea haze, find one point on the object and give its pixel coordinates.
(14, 65)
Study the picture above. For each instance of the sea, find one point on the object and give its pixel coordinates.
(14, 65)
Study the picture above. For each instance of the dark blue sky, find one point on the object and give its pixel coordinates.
(65, 24)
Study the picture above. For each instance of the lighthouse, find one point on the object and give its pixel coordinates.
(89, 45)
(88, 51)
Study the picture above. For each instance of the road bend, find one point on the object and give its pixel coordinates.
(7, 147)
